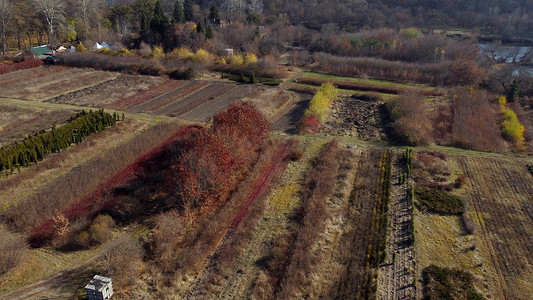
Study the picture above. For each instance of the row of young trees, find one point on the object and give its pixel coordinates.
(35, 147)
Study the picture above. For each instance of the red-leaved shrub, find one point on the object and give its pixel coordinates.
(27, 64)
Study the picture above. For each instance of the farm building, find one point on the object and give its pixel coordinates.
(99, 288)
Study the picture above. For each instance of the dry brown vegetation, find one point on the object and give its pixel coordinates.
(17, 122)
(108, 92)
(12, 249)
(474, 124)
(499, 196)
(19, 185)
(45, 203)
(180, 254)
(411, 124)
(62, 81)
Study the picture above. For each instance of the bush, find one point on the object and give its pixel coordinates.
(439, 201)
(101, 229)
(202, 56)
(123, 261)
(512, 129)
(12, 249)
(322, 101)
(182, 74)
(250, 58)
(80, 48)
(124, 52)
(445, 283)
(237, 60)
(474, 125)
(309, 124)
(27, 64)
(411, 124)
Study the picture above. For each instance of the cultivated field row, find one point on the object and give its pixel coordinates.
(501, 199)
(397, 273)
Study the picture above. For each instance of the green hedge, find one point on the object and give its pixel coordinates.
(439, 201)
(35, 147)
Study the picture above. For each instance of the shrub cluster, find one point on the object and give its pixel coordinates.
(439, 201)
(411, 124)
(12, 249)
(214, 159)
(27, 64)
(125, 64)
(511, 127)
(474, 125)
(35, 147)
(445, 283)
(318, 109)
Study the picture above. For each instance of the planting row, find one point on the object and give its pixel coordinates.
(35, 147)
(367, 87)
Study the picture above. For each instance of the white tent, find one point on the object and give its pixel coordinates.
(97, 47)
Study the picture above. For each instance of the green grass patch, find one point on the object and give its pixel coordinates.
(445, 283)
(314, 75)
(439, 201)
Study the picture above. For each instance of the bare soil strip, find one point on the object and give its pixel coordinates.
(500, 193)
(396, 274)
(108, 92)
(206, 91)
(198, 101)
(167, 98)
(205, 111)
(59, 83)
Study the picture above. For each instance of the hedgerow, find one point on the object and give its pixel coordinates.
(511, 127)
(35, 147)
(318, 109)
(439, 201)
(27, 64)
(445, 283)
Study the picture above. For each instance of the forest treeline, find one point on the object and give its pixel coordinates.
(31, 22)
(36, 146)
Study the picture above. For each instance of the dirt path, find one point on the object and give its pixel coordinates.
(196, 288)
(397, 273)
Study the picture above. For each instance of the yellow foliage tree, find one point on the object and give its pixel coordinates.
(511, 127)
(183, 54)
(202, 56)
(237, 60)
(250, 58)
(322, 101)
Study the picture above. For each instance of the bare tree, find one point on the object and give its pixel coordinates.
(86, 10)
(53, 11)
(6, 10)
(256, 6)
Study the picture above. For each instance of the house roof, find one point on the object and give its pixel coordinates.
(41, 50)
(98, 283)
